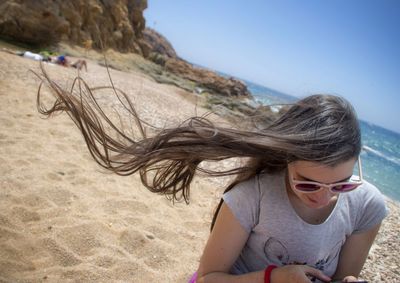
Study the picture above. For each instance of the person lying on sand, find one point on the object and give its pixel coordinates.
(63, 61)
(60, 60)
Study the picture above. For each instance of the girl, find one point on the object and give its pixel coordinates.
(294, 213)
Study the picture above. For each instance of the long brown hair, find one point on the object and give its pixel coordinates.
(319, 128)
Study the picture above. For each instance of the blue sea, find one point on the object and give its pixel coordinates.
(381, 147)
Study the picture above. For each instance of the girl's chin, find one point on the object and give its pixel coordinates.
(311, 203)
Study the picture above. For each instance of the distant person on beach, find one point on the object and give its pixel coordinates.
(60, 60)
(63, 61)
(28, 54)
(294, 213)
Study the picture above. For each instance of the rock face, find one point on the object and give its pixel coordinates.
(206, 78)
(158, 43)
(162, 53)
(114, 24)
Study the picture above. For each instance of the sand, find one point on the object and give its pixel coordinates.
(64, 219)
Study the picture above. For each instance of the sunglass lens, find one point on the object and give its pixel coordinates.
(307, 187)
(344, 188)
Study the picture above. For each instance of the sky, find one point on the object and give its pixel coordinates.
(349, 48)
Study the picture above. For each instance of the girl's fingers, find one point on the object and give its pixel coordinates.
(317, 273)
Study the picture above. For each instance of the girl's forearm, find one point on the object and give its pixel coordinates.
(220, 277)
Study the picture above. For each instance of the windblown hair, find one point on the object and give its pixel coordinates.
(318, 128)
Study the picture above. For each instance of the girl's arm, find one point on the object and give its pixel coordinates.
(223, 247)
(354, 253)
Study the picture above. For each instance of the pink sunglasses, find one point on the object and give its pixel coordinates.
(341, 187)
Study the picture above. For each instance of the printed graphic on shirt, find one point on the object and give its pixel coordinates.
(276, 252)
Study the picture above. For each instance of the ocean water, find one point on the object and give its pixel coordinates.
(380, 156)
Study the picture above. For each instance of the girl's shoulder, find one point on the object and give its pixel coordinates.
(367, 192)
(244, 198)
(262, 183)
(271, 182)
(367, 205)
(256, 187)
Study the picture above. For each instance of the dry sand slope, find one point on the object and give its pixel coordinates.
(63, 219)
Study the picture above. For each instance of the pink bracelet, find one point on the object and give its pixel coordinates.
(267, 274)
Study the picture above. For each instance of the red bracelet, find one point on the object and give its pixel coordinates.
(267, 274)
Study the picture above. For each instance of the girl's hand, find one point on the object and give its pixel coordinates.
(296, 274)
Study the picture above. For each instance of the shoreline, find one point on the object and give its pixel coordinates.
(63, 218)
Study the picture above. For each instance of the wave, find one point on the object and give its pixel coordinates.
(381, 155)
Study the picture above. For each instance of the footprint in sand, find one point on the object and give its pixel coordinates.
(5, 222)
(12, 185)
(195, 226)
(20, 162)
(24, 214)
(133, 241)
(83, 239)
(105, 261)
(34, 146)
(6, 143)
(34, 200)
(60, 255)
(134, 221)
(59, 146)
(58, 133)
(132, 271)
(69, 165)
(116, 206)
(158, 258)
(81, 181)
(34, 159)
(161, 233)
(7, 234)
(6, 123)
(54, 177)
(26, 127)
(12, 261)
(60, 197)
(154, 253)
(3, 164)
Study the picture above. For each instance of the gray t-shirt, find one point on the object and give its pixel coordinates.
(279, 236)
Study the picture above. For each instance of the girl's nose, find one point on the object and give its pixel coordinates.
(323, 197)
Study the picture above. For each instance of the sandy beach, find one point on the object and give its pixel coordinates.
(64, 219)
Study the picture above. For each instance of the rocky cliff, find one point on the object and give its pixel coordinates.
(207, 79)
(162, 53)
(158, 43)
(103, 24)
(114, 24)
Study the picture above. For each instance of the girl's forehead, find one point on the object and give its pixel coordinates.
(321, 172)
(310, 165)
